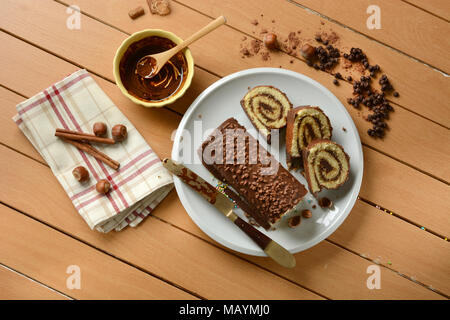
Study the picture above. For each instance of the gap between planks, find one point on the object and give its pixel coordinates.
(36, 281)
(382, 209)
(391, 269)
(105, 252)
(425, 10)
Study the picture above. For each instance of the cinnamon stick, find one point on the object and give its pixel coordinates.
(80, 136)
(95, 153)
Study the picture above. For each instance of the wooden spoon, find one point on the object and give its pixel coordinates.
(149, 65)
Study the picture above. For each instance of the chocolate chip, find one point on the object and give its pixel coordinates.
(335, 82)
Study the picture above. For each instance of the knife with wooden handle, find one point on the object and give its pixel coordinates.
(224, 205)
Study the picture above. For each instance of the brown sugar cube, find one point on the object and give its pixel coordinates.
(136, 13)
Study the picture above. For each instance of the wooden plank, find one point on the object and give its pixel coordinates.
(163, 250)
(45, 255)
(373, 234)
(15, 286)
(207, 270)
(427, 42)
(419, 90)
(384, 179)
(441, 8)
(406, 140)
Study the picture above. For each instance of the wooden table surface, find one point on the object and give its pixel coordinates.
(400, 223)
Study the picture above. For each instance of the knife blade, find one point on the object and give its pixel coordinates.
(225, 206)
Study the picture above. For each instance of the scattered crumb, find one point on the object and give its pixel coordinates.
(343, 129)
(265, 55)
(199, 116)
(254, 22)
(255, 45)
(314, 206)
(245, 52)
(251, 221)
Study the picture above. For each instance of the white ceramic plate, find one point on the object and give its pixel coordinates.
(220, 102)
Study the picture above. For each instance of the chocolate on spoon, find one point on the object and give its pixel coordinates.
(149, 66)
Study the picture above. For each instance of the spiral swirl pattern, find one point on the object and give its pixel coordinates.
(326, 165)
(304, 124)
(267, 108)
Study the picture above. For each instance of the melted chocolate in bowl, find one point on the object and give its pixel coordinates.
(166, 83)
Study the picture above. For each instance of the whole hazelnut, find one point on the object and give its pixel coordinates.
(270, 41)
(99, 129)
(81, 174)
(103, 186)
(119, 132)
(308, 51)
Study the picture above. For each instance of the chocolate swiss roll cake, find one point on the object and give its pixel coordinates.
(267, 108)
(266, 189)
(304, 124)
(326, 165)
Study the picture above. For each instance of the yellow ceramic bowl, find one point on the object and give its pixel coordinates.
(139, 36)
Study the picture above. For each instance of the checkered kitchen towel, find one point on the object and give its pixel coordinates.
(76, 103)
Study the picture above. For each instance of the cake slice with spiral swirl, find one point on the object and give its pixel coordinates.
(267, 108)
(304, 124)
(326, 165)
